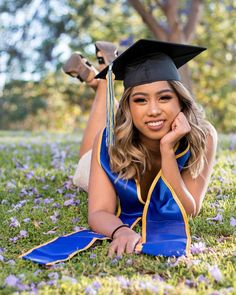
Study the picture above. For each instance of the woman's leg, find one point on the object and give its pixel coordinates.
(97, 118)
(105, 52)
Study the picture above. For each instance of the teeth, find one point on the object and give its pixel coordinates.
(157, 123)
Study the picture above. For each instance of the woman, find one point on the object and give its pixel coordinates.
(157, 165)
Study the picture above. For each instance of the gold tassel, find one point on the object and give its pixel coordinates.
(110, 107)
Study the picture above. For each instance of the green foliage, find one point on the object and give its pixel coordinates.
(17, 105)
(40, 41)
(215, 74)
(35, 183)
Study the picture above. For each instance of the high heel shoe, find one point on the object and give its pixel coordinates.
(78, 66)
(106, 52)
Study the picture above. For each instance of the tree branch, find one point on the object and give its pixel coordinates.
(193, 19)
(171, 10)
(158, 31)
(158, 3)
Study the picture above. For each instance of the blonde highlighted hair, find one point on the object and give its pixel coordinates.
(130, 158)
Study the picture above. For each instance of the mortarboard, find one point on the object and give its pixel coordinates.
(147, 61)
(144, 62)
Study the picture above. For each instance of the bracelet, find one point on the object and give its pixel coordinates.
(120, 226)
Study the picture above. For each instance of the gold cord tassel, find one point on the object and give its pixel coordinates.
(110, 108)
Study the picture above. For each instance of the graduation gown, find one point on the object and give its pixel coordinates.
(164, 223)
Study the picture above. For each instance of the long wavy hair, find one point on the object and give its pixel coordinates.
(130, 158)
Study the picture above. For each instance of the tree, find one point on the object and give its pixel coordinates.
(180, 22)
(38, 36)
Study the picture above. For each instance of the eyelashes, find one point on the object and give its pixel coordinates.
(143, 100)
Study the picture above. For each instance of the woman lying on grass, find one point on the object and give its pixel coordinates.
(154, 170)
(151, 120)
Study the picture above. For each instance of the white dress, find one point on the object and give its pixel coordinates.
(81, 177)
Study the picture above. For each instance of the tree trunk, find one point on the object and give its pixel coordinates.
(176, 31)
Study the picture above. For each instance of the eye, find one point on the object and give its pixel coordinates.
(165, 97)
(139, 100)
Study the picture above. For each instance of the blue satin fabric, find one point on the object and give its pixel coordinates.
(164, 230)
(164, 224)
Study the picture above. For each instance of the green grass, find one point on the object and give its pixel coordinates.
(35, 175)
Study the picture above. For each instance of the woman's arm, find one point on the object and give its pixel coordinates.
(198, 186)
(101, 209)
(190, 191)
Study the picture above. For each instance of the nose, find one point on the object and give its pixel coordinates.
(153, 109)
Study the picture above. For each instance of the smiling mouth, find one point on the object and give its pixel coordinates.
(155, 123)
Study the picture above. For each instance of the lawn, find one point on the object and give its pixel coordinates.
(39, 202)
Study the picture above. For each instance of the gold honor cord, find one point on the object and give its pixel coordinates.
(110, 107)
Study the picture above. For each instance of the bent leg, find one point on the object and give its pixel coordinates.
(97, 118)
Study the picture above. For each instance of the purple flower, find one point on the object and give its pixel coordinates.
(11, 281)
(114, 261)
(22, 287)
(96, 285)
(69, 196)
(75, 219)
(190, 283)
(23, 234)
(90, 290)
(69, 202)
(11, 185)
(37, 272)
(1, 258)
(54, 217)
(197, 248)
(23, 192)
(92, 256)
(56, 205)
(218, 217)
(19, 165)
(29, 175)
(53, 275)
(14, 239)
(14, 222)
(129, 261)
(40, 178)
(233, 221)
(19, 205)
(26, 220)
(60, 191)
(68, 185)
(2, 250)
(69, 279)
(216, 273)
(124, 283)
(148, 286)
(45, 187)
(201, 278)
(47, 201)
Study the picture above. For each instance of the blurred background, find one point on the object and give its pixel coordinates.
(38, 36)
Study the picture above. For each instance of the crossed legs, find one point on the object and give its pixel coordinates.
(79, 67)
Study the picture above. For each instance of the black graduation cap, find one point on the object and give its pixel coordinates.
(147, 61)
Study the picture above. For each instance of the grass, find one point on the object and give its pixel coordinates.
(35, 177)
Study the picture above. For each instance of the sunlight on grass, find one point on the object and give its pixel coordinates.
(39, 202)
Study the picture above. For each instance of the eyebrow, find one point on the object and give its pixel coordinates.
(157, 93)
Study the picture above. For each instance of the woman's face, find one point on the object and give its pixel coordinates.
(153, 108)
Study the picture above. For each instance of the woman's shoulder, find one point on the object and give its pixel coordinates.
(212, 136)
(212, 139)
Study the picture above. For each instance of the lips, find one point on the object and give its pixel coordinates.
(155, 125)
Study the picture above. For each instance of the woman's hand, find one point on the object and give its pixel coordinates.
(125, 241)
(179, 128)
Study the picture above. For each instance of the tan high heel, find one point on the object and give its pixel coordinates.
(79, 67)
(106, 52)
